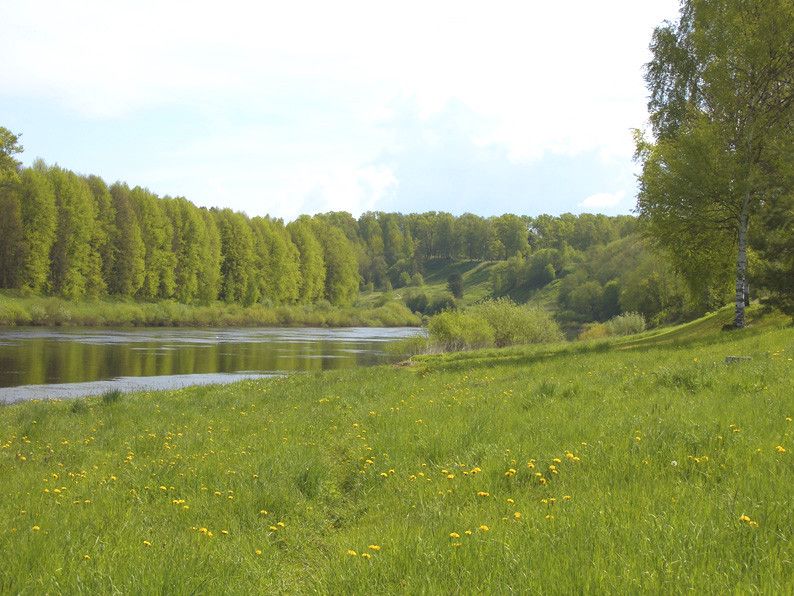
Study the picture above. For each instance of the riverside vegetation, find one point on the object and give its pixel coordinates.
(643, 463)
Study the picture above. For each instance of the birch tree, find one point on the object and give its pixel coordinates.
(721, 101)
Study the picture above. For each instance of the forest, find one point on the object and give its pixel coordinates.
(77, 237)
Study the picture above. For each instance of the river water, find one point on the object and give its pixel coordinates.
(38, 363)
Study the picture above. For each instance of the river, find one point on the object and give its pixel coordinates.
(39, 363)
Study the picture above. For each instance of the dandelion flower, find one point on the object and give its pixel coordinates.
(780, 449)
(482, 493)
(454, 535)
(517, 515)
(352, 553)
(147, 543)
(468, 532)
(87, 557)
(484, 528)
(35, 529)
(374, 547)
(366, 556)
(258, 552)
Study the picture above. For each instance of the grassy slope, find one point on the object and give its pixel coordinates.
(476, 284)
(673, 446)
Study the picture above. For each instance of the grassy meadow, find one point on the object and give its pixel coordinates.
(631, 465)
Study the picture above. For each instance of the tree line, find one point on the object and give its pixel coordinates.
(76, 236)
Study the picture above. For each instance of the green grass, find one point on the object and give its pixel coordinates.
(18, 310)
(662, 447)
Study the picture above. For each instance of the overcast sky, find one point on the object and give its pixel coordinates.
(296, 107)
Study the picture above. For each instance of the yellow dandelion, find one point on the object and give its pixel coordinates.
(468, 532)
(352, 553)
(484, 528)
(482, 493)
(744, 518)
(517, 515)
(147, 543)
(35, 529)
(366, 556)
(780, 449)
(374, 547)
(258, 552)
(454, 535)
(87, 557)
(566, 498)
(450, 476)
(511, 501)
(225, 532)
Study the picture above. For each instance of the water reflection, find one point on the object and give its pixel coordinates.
(47, 357)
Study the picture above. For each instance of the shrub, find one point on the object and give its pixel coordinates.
(417, 302)
(594, 331)
(440, 304)
(626, 324)
(455, 285)
(457, 330)
(513, 324)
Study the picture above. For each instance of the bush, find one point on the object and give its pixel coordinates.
(594, 331)
(626, 324)
(493, 323)
(455, 285)
(440, 304)
(514, 324)
(457, 330)
(417, 302)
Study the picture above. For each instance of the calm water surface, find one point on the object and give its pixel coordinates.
(58, 363)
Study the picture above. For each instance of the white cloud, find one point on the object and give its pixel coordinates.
(560, 78)
(603, 200)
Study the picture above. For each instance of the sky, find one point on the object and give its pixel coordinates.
(284, 108)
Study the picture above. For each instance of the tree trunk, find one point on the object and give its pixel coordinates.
(741, 265)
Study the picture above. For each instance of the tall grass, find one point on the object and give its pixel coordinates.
(654, 470)
(52, 311)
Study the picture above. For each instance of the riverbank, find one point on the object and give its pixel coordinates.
(52, 312)
(595, 467)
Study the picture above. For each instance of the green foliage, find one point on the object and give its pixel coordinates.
(514, 324)
(128, 265)
(492, 323)
(775, 246)
(342, 279)
(626, 324)
(9, 146)
(455, 285)
(157, 234)
(54, 311)
(39, 218)
(458, 330)
(12, 248)
(74, 270)
(72, 236)
(312, 264)
(721, 109)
